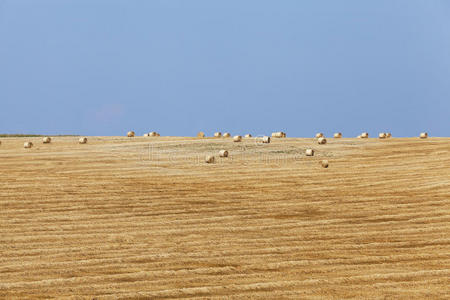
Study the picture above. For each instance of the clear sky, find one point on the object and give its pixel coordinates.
(103, 67)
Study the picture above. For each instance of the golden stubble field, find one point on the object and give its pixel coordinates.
(147, 218)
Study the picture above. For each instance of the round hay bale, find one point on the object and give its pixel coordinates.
(337, 135)
(248, 135)
(388, 134)
(324, 163)
(309, 152)
(223, 153)
(0, 142)
(279, 134)
(47, 140)
(209, 159)
(322, 141)
(146, 135)
(237, 138)
(82, 140)
(358, 137)
(364, 135)
(201, 134)
(423, 135)
(319, 135)
(130, 134)
(217, 134)
(153, 133)
(382, 135)
(27, 144)
(266, 139)
(226, 134)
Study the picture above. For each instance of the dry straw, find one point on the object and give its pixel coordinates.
(82, 140)
(47, 140)
(217, 134)
(27, 144)
(223, 153)
(324, 163)
(309, 152)
(237, 138)
(322, 140)
(130, 134)
(337, 135)
(423, 135)
(209, 159)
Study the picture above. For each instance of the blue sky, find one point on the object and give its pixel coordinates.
(105, 67)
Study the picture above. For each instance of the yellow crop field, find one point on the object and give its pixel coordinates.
(147, 218)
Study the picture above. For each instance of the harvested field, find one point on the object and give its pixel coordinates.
(148, 218)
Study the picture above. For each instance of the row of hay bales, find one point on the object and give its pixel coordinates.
(365, 135)
(48, 140)
(219, 134)
(153, 133)
(237, 138)
(279, 134)
(210, 159)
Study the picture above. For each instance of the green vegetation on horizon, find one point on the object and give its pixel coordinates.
(32, 135)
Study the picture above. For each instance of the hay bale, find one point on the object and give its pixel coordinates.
(82, 140)
(279, 134)
(266, 139)
(382, 135)
(130, 134)
(322, 141)
(27, 144)
(209, 159)
(223, 153)
(237, 138)
(324, 163)
(364, 135)
(423, 135)
(47, 140)
(358, 137)
(226, 134)
(248, 135)
(337, 135)
(201, 134)
(319, 135)
(0, 142)
(217, 134)
(153, 133)
(146, 135)
(309, 152)
(388, 134)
